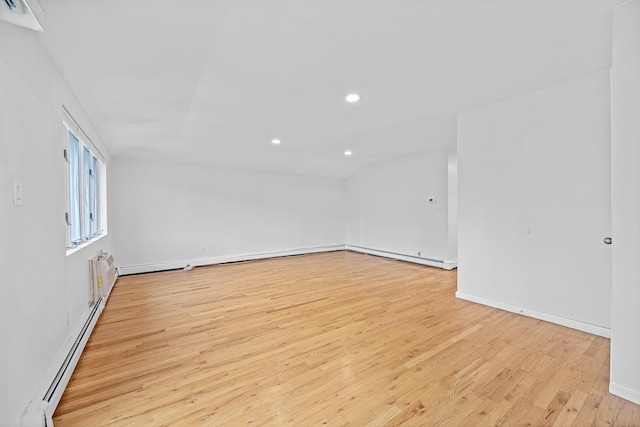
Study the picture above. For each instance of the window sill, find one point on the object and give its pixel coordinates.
(85, 244)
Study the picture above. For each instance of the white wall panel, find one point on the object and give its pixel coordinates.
(534, 202)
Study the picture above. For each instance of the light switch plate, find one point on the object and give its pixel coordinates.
(17, 192)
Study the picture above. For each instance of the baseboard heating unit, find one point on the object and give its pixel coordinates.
(40, 411)
(444, 264)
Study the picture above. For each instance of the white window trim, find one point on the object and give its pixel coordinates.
(85, 244)
(83, 140)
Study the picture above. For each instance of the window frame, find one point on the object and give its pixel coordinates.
(85, 194)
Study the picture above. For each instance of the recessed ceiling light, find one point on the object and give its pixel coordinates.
(348, 153)
(353, 97)
(275, 141)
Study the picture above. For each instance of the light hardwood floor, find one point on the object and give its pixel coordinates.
(336, 338)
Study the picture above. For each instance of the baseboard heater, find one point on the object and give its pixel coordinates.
(444, 264)
(40, 412)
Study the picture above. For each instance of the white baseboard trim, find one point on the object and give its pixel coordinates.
(559, 320)
(625, 392)
(40, 411)
(445, 264)
(197, 262)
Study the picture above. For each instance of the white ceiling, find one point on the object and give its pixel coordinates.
(213, 81)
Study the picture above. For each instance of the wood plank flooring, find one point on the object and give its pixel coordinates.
(330, 339)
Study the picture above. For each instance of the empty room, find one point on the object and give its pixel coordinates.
(295, 213)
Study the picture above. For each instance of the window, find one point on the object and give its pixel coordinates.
(84, 194)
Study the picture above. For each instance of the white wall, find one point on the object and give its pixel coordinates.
(39, 286)
(539, 162)
(625, 324)
(173, 209)
(388, 208)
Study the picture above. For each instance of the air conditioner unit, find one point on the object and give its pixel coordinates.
(26, 13)
(103, 275)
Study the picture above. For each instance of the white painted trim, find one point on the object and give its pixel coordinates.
(445, 264)
(559, 320)
(39, 413)
(450, 264)
(625, 392)
(55, 398)
(85, 244)
(173, 265)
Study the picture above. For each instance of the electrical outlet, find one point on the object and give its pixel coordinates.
(201, 249)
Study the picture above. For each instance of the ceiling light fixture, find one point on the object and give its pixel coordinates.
(353, 97)
(348, 153)
(275, 141)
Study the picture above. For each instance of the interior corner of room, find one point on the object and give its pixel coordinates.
(511, 169)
